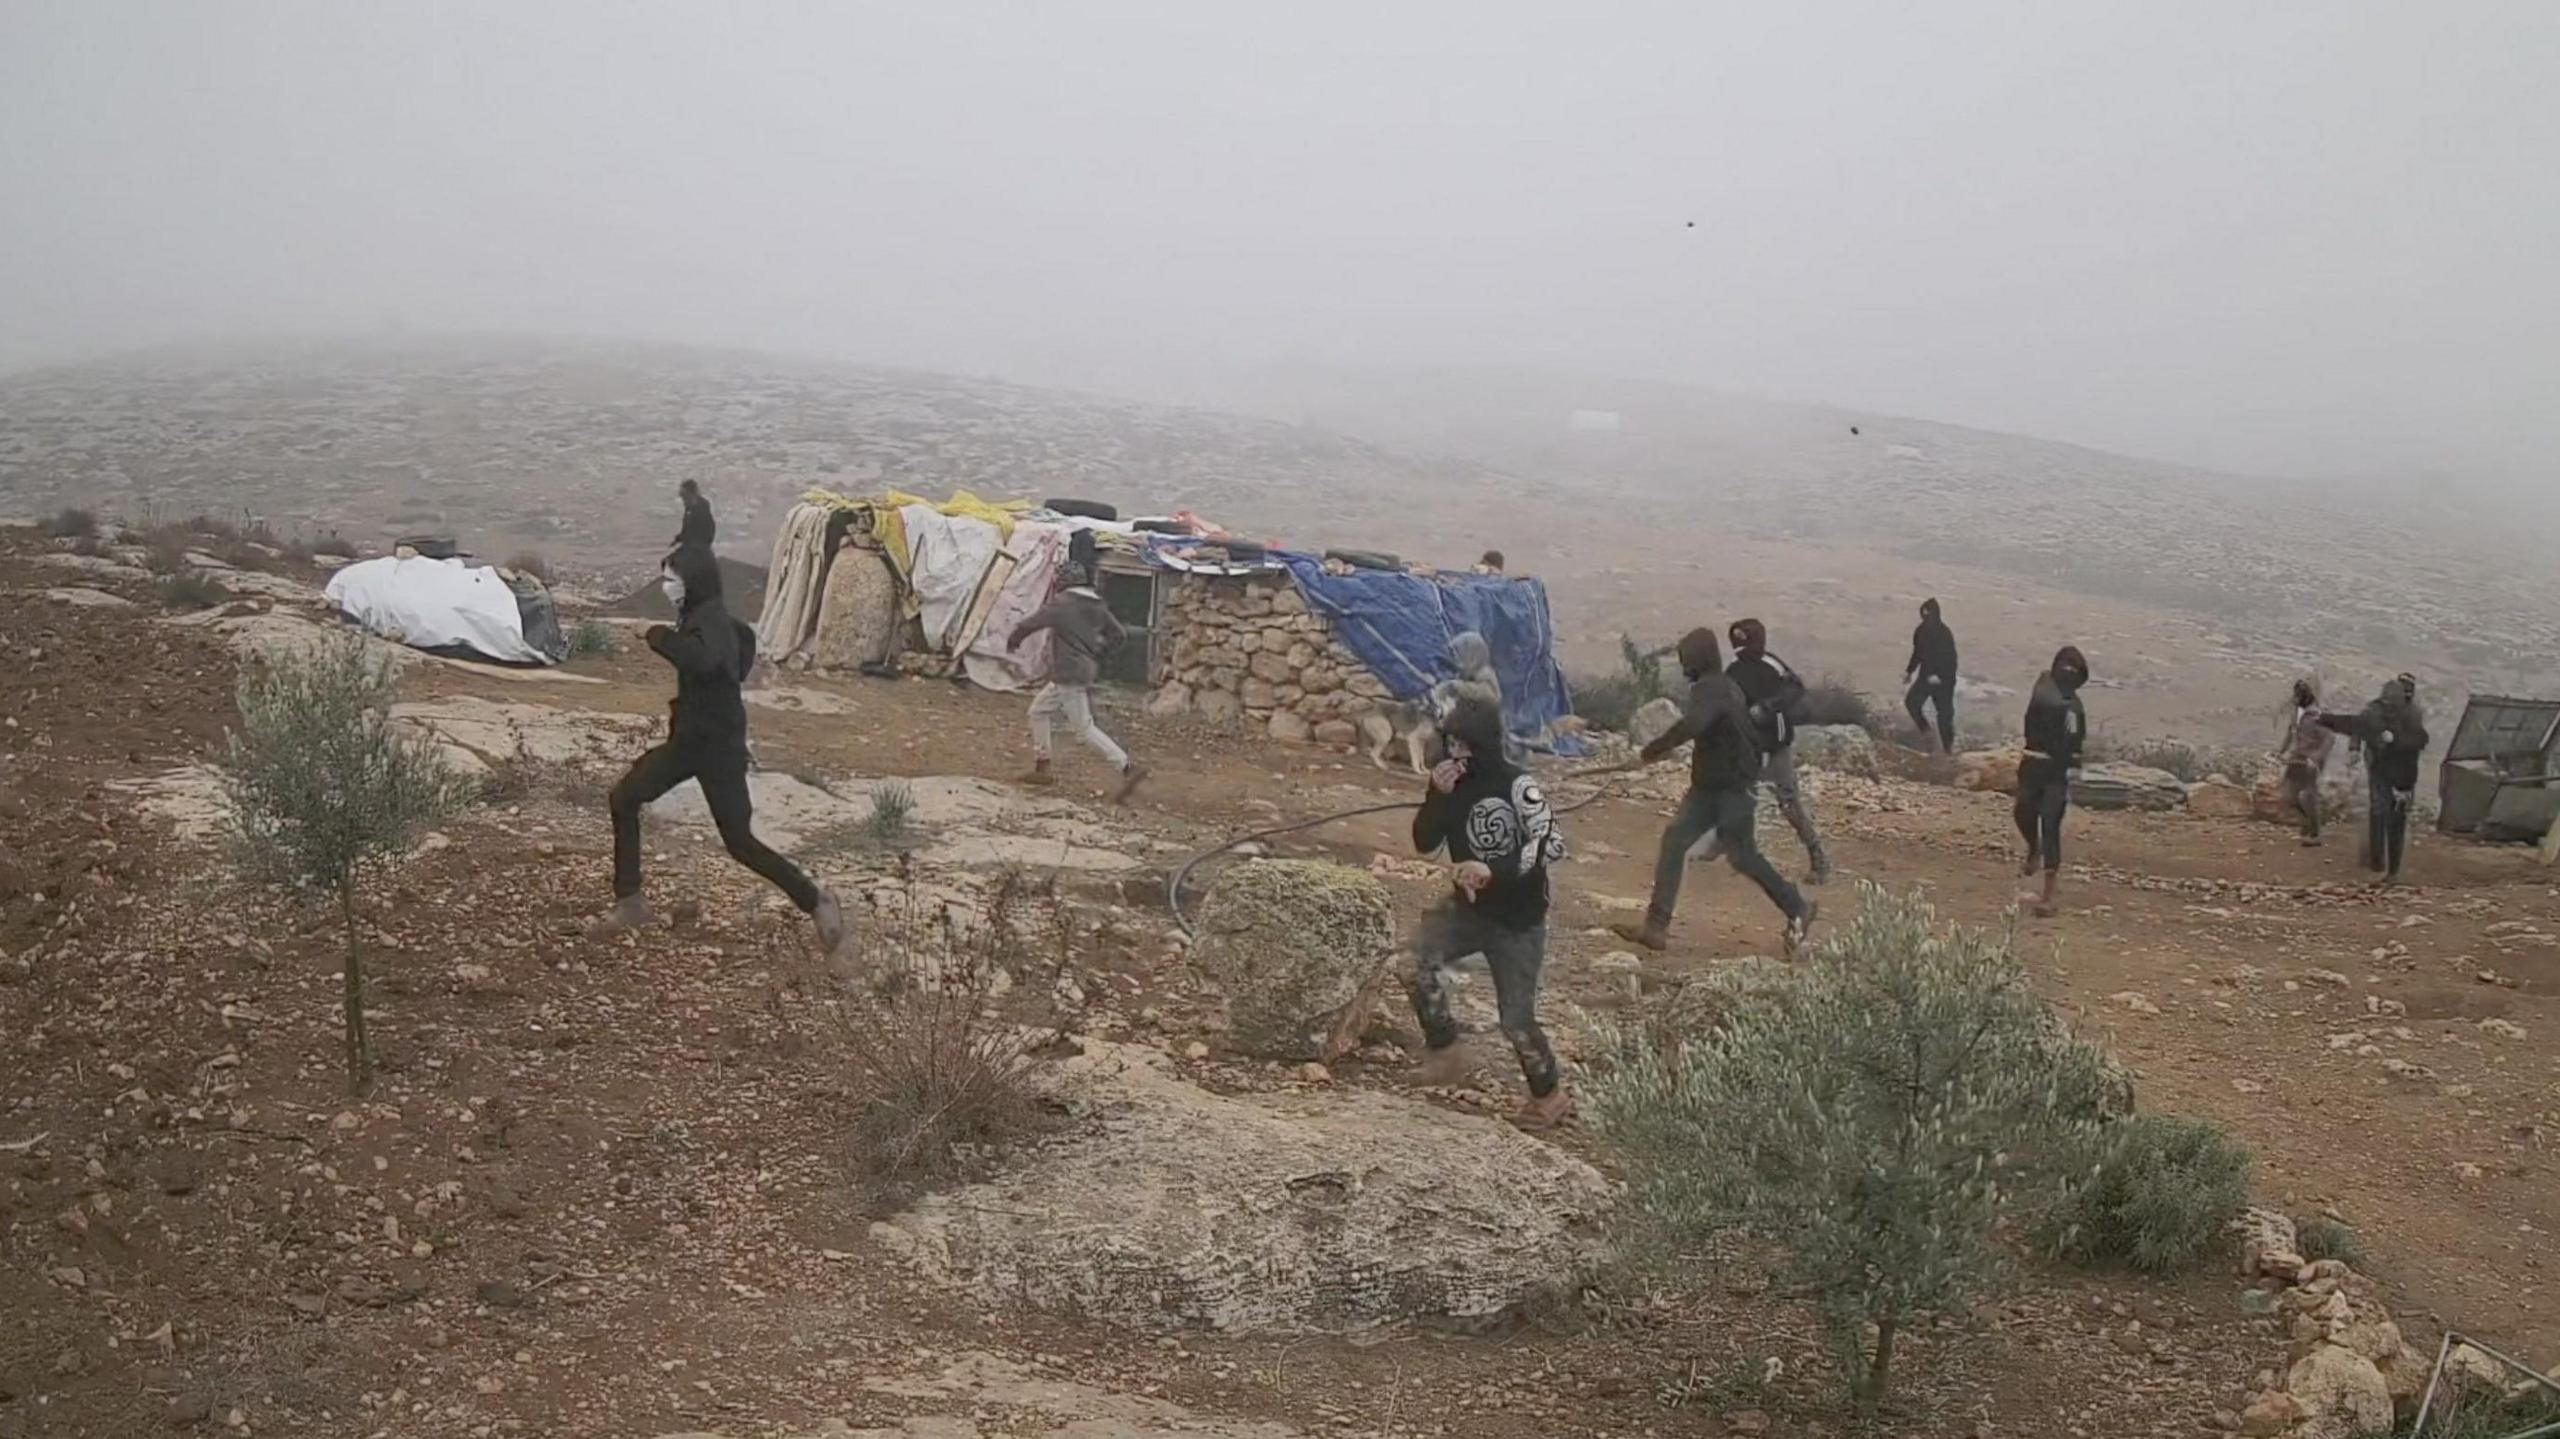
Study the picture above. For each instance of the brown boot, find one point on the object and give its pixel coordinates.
(1653, 934)
(1545, 1112)
(1040, 773)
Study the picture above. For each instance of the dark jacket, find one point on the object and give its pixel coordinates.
(1082, 630)
(1497, 816)
(1775, 695)
(1715, 719)
(2391, 731)
(2057, 723)
(712, 654)
(1933, 647)
(698, 527)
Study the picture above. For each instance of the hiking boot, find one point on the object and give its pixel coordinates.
(1653, 934)
(628, 913)
(1040, 774)
(829, 918)
(1131, 776)
(1443, 1068)
(1821, 872)
(1800, 927)
(1545, 1112)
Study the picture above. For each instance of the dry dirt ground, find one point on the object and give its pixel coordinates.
(605, 1187)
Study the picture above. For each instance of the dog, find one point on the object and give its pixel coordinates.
(1415, 722)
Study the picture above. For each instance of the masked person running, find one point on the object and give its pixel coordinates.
(2057, 726)
(1723, 799)
(2307, 745)
(1931, 677)
(1494, 820)
(2392, 733)
(1082, 630)
(1777, 700)
(706, 742)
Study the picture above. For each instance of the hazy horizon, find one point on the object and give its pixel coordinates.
(2303, 239)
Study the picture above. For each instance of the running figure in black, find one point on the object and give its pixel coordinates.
(1501, 836)
(707, 742)
(1931, 676)
(2057, 726)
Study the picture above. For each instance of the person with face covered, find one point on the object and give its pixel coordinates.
(1931, 677)
(1777, 705)
(1723, 798)
(2392, 734)
(706, 742)
(2307, 745)
(2057, 728)
(1500, 833)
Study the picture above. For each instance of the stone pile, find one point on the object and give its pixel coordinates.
(1249, 649)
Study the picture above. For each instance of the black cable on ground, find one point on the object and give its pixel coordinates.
(1173, 886)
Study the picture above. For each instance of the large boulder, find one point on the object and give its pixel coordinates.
(2268, 800)
(2219, 798)
(2127, 786)
(1991, 771)
(857, 612)
(1327, 1210)
(1652, 720)
(2341, 1393)
(1290, 942)
(1840, 748)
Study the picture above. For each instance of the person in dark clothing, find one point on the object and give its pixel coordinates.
(2307, 745)
(698, 528)
(1777, 699)
(2057, 727)
(1931, 676)
(2391, 733)
(1082, 630)
(706, 742)
(1723, 798)
(1500, 834)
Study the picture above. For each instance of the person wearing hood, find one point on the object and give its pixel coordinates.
(1931, 676)
(1476, 678)
(1082, 631)
(2307, 745)
(1723, 797)
(2391, 732)
(712, 654)
(2057, 727)
(1494, 821)
(1777, 699)
(698, 528)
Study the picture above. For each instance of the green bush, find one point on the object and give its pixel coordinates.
(191, 590)
(1609, 700)
(893, 808)
(2326, 1238)
(1876, 1113)
(591, 637)
(2157, 1192)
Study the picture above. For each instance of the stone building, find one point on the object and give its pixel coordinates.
(1247, 648)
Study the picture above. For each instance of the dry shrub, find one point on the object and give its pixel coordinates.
(70, 523)
(1832, 700)
(944, 1076)
(186, 589)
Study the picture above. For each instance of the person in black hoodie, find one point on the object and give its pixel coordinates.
(1723, 798)
(2391, 733)
(706, 742)
(1777, 699)
(698, 528)
(2057, 727)
(1931, 676)
(1501, 835)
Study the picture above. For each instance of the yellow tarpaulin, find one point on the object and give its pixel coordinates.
(890, 524)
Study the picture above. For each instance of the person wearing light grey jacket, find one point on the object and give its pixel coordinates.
(1082, 631)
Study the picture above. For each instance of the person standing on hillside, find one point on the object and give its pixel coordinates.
(2392, 733)
(1723, 798)
(2057, 726)
(707, 743)
(2307, 744)
(1777, 699)
(1082, 630)
(1501, 835)
(1930, 676)
(698, 527)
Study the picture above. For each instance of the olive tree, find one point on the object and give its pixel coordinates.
(1875, 1114)
(319, 784)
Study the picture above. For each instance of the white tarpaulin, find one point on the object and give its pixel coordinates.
(433, 604)
(947, 559)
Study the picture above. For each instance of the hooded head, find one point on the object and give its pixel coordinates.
(1929, 609)
(689, 490)
(1750, 639)
(2306, 695)
(1469, 652)
(2070, 668)
(690, 576)
(2400, 696)
(1475, 722)
(1700, 656)
(1491, 563)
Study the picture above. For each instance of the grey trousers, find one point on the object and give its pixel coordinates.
(1778, 771)
(1730, 815)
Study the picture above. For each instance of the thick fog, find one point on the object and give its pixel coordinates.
(2288, 237)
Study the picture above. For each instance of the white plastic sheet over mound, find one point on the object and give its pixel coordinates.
(432, 604)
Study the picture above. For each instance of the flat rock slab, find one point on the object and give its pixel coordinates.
(84, 597)
(967, 823)
(1326, 1211)
(1036, 1406)
(97, 565)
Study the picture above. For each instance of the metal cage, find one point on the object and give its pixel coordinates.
(2500, 778)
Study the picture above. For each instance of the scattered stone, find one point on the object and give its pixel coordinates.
(500, 1294)
(2399, 1068)
(2135, 1002)
(2502, 1028)
(1313, 1073)
(1746, 1422)
(190, 1408)
(2270, 1414)
(2328, 977)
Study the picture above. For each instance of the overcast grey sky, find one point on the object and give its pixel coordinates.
(2270, 235)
